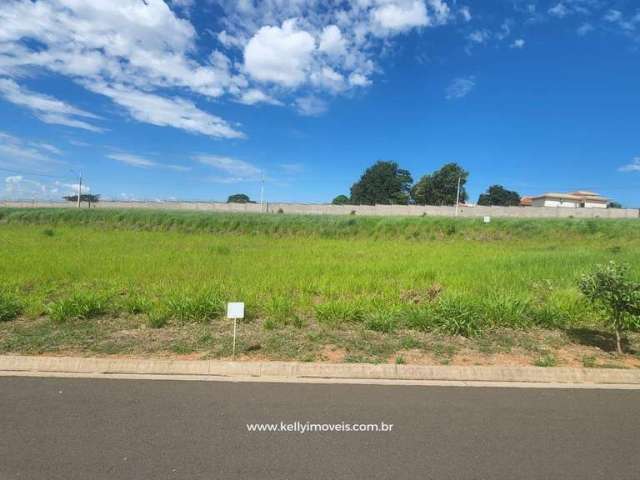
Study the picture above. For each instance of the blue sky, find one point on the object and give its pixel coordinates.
(199, 99)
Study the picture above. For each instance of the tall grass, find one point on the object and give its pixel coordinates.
(327, 226)
(460, 277)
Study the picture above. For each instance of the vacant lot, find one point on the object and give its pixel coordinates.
(334, 288)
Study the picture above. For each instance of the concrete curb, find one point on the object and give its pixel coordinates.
(292, 370)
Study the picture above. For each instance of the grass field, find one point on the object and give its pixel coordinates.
(371, 289)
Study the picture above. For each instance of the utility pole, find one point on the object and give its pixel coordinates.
(79, 189)
(458, 196)
(262, 192)
(79, 175)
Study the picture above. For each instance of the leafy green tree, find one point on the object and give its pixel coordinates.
(341, 200)
(614, 205)
(85, 197)
(239, 198)
(498, 195)
(440, 187)
(609, 288)
(383, 183)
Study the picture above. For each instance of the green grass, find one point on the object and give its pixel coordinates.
(386, 276)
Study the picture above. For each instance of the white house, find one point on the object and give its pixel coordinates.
(579, 199)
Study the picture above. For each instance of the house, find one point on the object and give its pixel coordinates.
(526, 201)
(579, 199)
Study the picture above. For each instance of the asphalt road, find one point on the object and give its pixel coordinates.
(130, 429)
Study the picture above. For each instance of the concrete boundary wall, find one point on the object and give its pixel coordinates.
(370, 210)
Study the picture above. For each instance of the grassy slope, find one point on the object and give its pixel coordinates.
(378, 273)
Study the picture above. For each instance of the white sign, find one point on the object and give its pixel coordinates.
(487, 219)
(235, 310)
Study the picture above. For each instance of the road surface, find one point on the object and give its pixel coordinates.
(54, 428)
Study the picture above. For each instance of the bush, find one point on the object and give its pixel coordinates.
(10, 307)
(609, 288)
(79, 306)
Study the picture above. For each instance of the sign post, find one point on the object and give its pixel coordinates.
(235, 311)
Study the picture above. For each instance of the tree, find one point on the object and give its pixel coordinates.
(498, 195)
(239, 198)
(85, 197)
(609, 288)
(341, 200)
(440, 187)
(383, 183)
(614, 205)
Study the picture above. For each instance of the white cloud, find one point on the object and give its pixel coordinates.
(231, 169)
(132, 160)
(634, 166)
(465, 13)
(131, 43)
(613, 16)
(518, 43)
(21, 187)
(584, 29)
(358, 80)
(292, 168)
(280, 55)
(255, 96)
(142, 162)
(460, 87)
(19, 154)
(400, 16)
(479, 36)
(173, 112)
(559, 10)
(331, 41)
(46, 108)
(311, 106)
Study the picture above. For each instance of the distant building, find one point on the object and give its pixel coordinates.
(579, 199)
(526, 201)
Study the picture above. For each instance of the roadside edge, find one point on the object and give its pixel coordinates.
(18, 365)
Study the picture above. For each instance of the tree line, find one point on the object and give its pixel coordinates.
(385, 183)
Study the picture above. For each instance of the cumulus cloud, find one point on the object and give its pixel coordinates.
(518, 43)
(280, 55)
(460, 87)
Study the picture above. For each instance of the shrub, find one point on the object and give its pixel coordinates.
(79, 306)
(609, 288)
(546, 360)
(10, 307)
